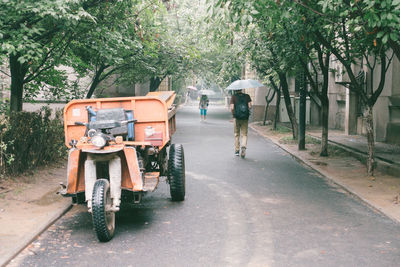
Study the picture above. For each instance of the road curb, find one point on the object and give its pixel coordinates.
(328, 177)
(53, 217)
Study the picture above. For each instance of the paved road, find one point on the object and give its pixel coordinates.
(265, 210)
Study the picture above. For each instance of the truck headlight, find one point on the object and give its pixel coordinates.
(99, 141)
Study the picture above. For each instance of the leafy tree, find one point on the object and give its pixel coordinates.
(354, 45)
(355, 32)
(35, 36)
(162, 46)
(380, 20)
(112, 46)
(264, 27)
(314, 59)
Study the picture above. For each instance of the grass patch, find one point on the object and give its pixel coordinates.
(335, 151)
(282, 129)
(312, 140)
(288, 140)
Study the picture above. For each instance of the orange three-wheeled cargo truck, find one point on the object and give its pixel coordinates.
(118, 151)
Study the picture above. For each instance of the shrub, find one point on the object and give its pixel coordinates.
(31, 139)
(178, 100)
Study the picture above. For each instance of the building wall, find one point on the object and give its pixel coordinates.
(5, 81)
(337, 102)
(393, 125)
(395, 77)
(315, 117)
(108, 89)
(165, 84)
(141, 89)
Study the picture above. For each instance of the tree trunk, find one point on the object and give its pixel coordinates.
(371, 141)
(95, 81)
(154, 83)
(266, 111)
(268, 99)
(302, 120)
(324, 125)
(18, 72)
(288, 103)
(278, 103)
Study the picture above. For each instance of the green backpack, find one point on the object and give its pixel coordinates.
(241, 111)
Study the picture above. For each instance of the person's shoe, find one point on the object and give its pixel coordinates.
(237, 153)
(243, 152)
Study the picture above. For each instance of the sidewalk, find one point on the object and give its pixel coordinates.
(343, 167)
(28, 207)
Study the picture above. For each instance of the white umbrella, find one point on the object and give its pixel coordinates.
(206, 92)
(243, 84)
(192, 88)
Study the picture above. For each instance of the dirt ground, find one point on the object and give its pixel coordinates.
(23, 187)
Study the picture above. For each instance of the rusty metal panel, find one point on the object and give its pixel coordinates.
(151, 180)
(73, 171)
(126, 181)
(133, 169)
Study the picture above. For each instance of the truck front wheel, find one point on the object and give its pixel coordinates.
(103, 217)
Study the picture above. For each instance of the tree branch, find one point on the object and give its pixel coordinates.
(314, 86)
(375, 95)
(33, 76)
(5, 73)
(356, 86)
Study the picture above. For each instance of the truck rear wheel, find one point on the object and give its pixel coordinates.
(176, 172)
(103, 217)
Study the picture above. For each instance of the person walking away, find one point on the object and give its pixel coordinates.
(187, 97)
(203, 105)
(240, 107)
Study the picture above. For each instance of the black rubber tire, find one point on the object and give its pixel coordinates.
(103, 221)
(176, 172)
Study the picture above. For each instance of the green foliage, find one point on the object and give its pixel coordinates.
(6, 158)
(376, 19)
(26, 25)
(35, 36)
(28, 140)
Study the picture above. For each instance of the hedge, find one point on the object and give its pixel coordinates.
(29, 140)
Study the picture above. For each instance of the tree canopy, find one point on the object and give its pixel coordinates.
(138, 40)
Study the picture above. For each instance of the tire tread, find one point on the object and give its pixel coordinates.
(98, 211)
(176, 172)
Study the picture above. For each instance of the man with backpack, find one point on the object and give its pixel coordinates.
(240, 107)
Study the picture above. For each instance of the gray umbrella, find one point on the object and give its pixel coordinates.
(206, 92)
(243, 84)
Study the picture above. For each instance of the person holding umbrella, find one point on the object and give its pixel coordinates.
(240, 106)
(203, 105)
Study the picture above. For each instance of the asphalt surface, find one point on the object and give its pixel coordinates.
(264, 210)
